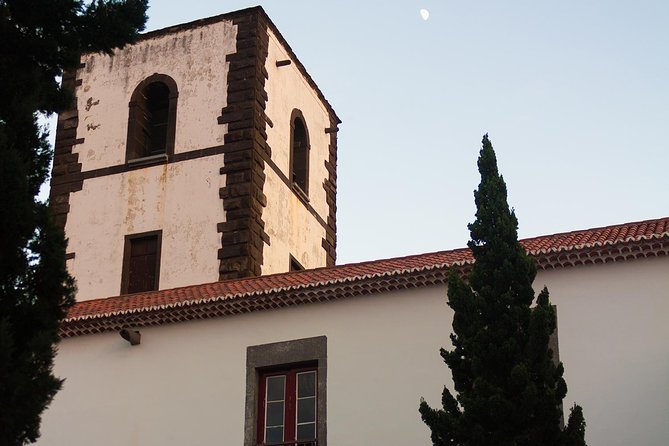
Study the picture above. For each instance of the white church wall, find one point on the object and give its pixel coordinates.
(613, 326)
(185, 383)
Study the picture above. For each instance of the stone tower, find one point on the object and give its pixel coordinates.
(202, 152)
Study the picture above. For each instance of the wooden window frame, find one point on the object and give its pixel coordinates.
(308, 353)
(132, 155)
(290, 404)
(303, 193)
(125, 272)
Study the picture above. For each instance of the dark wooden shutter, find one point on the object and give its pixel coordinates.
(148, 121)
(143, 265)
(300, 156)
(158, 111)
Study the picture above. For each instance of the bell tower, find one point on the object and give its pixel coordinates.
(202, 152)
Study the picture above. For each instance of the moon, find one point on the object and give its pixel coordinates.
(425, 14)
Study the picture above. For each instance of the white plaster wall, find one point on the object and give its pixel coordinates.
(613, 327)
(194, 58)
(292, 229)
(180, 198)
(286, 90)
(185, 384)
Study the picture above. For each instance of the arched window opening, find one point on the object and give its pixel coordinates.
(152, 118)
(299, 164)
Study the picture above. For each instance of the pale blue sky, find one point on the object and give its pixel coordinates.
(574, 96)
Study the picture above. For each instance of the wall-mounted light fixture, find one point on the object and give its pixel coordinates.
(132, 336)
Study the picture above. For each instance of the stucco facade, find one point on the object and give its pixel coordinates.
(194, 57)
(108, 207)
(185, 382)
(157, 197)
(220, 191)
(613, 323)
(292, 223)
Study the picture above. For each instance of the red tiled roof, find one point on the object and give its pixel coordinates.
(642, 230)
(598, 245)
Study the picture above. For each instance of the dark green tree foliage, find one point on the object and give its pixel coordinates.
(509, 390)
(39, 39)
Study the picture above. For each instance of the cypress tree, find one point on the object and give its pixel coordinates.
(508, 388)
(39, 39)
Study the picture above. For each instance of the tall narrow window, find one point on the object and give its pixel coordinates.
(154, 125)
(152, 118)
(275, 405)
(286, 390)
(141, 262)
(299, 152)
(305, 406)
(288, 412)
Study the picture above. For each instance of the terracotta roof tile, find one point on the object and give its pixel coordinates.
(597, 245)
